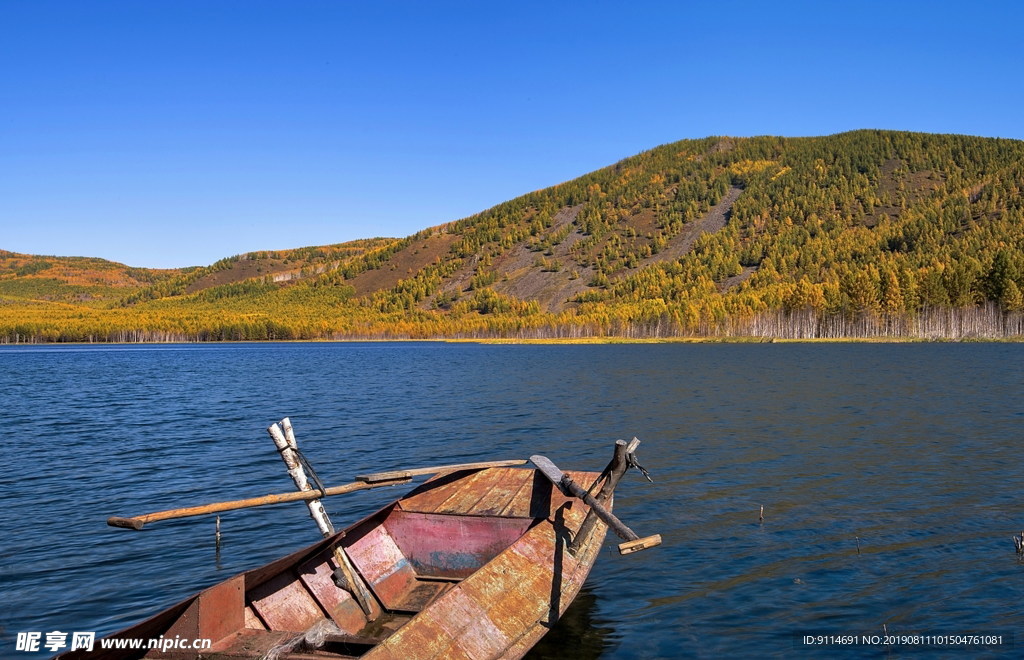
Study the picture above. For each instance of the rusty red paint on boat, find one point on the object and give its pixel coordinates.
(470, 564)
(452, 546)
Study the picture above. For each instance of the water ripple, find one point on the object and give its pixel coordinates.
(889, 476)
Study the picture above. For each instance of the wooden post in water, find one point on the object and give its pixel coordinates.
(216, 547)
(289, 450)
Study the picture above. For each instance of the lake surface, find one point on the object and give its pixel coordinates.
(891, 478)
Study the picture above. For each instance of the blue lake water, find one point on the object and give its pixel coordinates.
(890, 475)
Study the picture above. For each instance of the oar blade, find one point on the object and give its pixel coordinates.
(629, 547)
(126, 523)
(549, 470)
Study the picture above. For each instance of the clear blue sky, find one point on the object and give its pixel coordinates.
(168, 133)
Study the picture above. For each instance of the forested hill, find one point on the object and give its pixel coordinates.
(859, 234)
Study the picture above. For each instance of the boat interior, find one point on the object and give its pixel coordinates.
(372, 579)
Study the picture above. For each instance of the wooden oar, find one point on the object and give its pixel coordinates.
(633, 543)
(137, 522)
(398, 474)
(362, 482)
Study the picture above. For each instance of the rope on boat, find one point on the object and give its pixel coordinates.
(312, 639)
(309, 469)
(631, 462)
(303, 461)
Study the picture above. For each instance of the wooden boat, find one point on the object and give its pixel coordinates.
(476, 562)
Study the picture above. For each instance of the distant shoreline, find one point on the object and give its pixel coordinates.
(554, 341)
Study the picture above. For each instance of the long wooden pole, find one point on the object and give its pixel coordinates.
(137, 522)
(364, 482)
(396, 474)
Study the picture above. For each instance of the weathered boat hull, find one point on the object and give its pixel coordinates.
(471, 564)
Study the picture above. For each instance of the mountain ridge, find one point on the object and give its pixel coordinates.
(860, 233)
